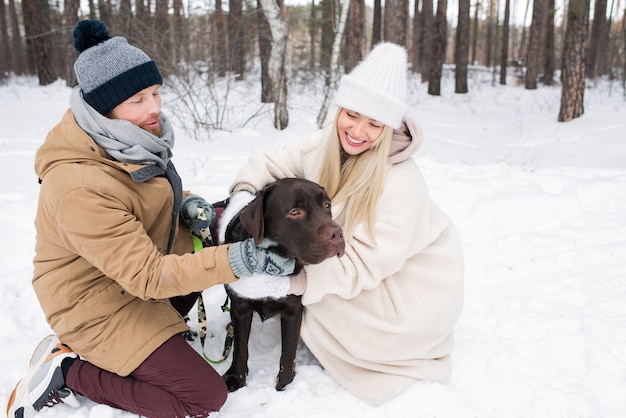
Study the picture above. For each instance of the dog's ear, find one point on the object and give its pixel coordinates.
(251, 217)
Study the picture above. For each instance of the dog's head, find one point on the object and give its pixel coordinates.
(296, 215)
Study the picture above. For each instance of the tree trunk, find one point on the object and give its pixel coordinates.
(276, 66)
(461, 47)
(312, 35)
(504, 52)
(427, 39)
(573, 71)
(355, 34)
(265, 50)
(328, 33)
(395, 21)
(416, 37)
(37, 24)
(180, 34)
(220, 40)
(237, 45)
(17, 49)
(548, 58)
(124, 18)
(5, 48)
(377, 24)
(162, 37)
(534, 42)
(489, 37)
(439, 49)
(71, 18)
(334, 67)
(104, 9)
(599, 20)
(475, 33)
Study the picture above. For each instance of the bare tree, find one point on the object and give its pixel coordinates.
(17, 54)
(312, 35)
(461, 47)
(489, 37)
(180, 34)
(439, 49)
(162, 34)
(105, 12)
(328, 34)
(504, 52)
(599, 21)
(416, 37)
(395, 21)
(548, 53)
(276, 67)
(37, 24)
(355, 34)
(71, 18)
(124, 18)
(5, 49)
(334, 67)
(219, 40)
(265, 50)
(427, 39)
(237, 45)
(573, 71)
(534, 44)
(377, 25)
(476, 23)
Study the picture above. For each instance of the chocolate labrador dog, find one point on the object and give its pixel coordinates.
(296, 215)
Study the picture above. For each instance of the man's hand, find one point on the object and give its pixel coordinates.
(199, 215)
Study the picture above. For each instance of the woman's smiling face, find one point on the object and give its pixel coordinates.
(357, 133)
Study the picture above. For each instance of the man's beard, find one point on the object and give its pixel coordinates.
(156, 131)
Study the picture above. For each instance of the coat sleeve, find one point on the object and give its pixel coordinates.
(109, 237)
(298, 159)
(405, 224)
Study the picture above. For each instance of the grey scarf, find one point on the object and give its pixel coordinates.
(123, 141)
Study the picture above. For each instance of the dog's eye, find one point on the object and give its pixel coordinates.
(296, 212)
(327, 204)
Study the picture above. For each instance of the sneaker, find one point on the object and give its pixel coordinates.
(44, 385)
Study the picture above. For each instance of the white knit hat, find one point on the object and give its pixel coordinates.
(376, 87)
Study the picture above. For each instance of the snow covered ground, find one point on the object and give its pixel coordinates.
(540, 206)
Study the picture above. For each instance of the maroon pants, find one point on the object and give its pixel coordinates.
(174, 381)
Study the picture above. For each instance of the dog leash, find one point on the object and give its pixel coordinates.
(202, 331)
(198, 245)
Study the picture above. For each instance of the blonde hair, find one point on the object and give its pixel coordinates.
(355, 182)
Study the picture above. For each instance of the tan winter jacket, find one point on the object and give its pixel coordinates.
(101, 272)
(382, 315)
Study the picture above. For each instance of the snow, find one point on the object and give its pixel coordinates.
(541, 209)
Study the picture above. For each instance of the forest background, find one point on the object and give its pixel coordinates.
(206, 47)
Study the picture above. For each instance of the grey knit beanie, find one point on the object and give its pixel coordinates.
(108, 69)
(376, 87)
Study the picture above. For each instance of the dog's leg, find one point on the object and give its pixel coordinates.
(290, 323)
(241, 315)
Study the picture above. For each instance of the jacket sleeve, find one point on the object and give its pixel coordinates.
(109, 237)
(405, 224)
(297, 159)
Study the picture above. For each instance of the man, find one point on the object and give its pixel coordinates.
(114, 270)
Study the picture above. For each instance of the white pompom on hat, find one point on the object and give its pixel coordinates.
(376, 87)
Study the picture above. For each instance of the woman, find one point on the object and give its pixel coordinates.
(382, 315)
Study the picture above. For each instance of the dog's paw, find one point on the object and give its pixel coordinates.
(234, 381)
(284, 378)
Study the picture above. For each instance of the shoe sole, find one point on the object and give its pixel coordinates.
(44, 347)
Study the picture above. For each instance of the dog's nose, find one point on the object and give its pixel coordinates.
(335, 238)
